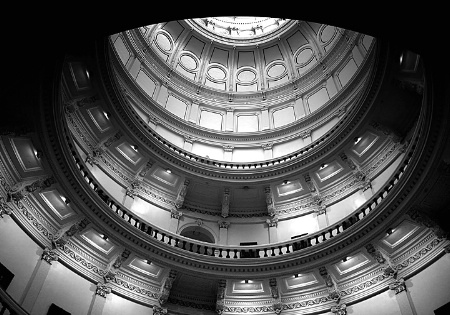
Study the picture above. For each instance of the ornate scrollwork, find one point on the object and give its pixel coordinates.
(398, 285)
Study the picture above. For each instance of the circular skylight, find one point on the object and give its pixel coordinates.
(237, 27)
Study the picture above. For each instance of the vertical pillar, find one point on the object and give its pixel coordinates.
(306, 136)
(402, 297)
(175, 216)
(228, 153)
(357, 56)
(188, 141)
(269, 201)
(193, 114)
(273, 231)
(223, 232)
(299, 109)
(322, 219)
(265, 125)
(38, 278)
(99, 299)
(268, 153)
(229, 121)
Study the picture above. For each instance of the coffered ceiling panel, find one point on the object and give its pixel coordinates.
(60, 208)
(25, 155)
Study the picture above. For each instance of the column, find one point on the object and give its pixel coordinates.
(228, 153)
(267, 148)
(99, 299)
(322, 219)
(229, 121)
(223, 232)
(265, 125)
(269, 201)
(175, 216)
(226, 202)
(402, 296)
(193, 114)
(273, 232)
(38, 278)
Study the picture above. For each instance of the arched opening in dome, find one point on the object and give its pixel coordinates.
(198, 233)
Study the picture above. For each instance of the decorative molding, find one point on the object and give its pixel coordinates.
(49, 255)
(102, 290)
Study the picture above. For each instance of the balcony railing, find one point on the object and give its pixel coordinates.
(257, 251)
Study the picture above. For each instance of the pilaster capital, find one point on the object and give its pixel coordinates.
(158, 310)
(272, 222)
(175, 214)
(398, 285)
(102, 290)
(267, 146)
(49, 255)
(340, 309)
(223, 224)
(228, 148)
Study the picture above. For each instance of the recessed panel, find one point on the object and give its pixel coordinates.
(95, 239)
(53, 200)
(283, 116)
(174, 28)
(329, 171)
(247, 123)
(272, 53)
(246, 58)
(188, 62)
(400, 234)
(246, 76)
(365, 143)
(25, 153)
(210, 120)
(347, 72)
(245, 288)
(195, 46)
(304, 56)
(129, 153)
(163, 42)
(176, 106)
(147, 84)
(296, 40)
(215, 85)
(246, 87)
(289, 188)
(326, 34)
(79, 75)
(301, 281)
(319, 98)
(217, 73)
(165, 177)
(276, 70)
(352, 263)
(219, 56)
(99, 119)
(122, 50)
(144, 267)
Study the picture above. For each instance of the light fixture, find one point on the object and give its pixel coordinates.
(134, 147)
(401, 58)
(285, 182)
(245, 281)
(323, 166)
(87, 74)
(168, 171)
(38, 154)
(345, 259)
(390, 231)
(107, 115)
(66, 201)
(147, 261)
(104, 237)
(296, 275)
(357, 139)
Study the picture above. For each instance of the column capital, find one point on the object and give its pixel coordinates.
(158, 310)
(228, 148)
(398, 286)
(49, 255)
(375, 253)
(4, 207)
(175, 214)
(267, 146)
(340, 309)
(102, 290)
(223, 224)
(272, 222)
